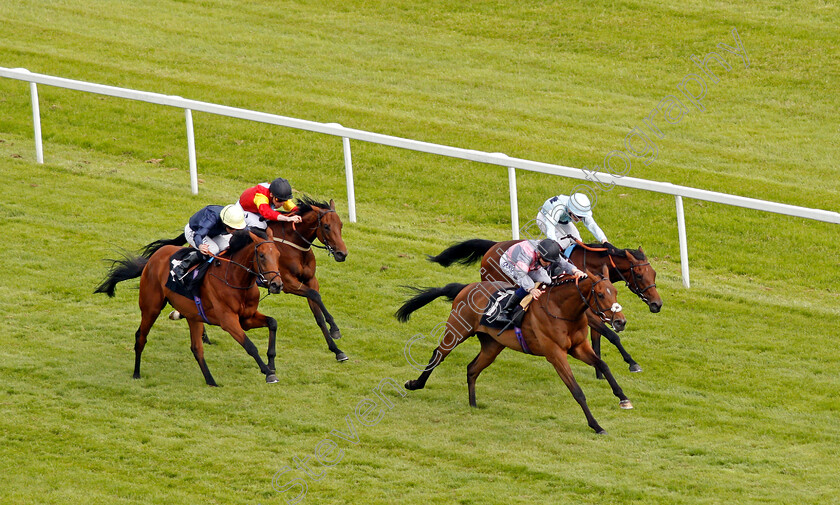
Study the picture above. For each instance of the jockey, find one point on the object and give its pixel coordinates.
(268, 202)
(558, 214)
(211, 229)
(526, 262)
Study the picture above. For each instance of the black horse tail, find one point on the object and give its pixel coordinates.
(465, 253)
(150, 249)
(127, 268)
(425, 296)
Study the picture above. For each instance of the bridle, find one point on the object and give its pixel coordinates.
(327, 247)
(601, 313)
(632, 286)
(260, 274)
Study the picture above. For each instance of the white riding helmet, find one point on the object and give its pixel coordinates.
(233, 216)
(579, 205)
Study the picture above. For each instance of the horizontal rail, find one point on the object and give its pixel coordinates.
(426, 147)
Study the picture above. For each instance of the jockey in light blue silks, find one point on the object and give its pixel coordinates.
(558, 215)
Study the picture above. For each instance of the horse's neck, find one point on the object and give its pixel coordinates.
(303, 233)
(618, 265)
(244, 257)
(568, 299)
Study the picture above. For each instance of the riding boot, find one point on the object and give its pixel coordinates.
(512, 303)
(191, 258)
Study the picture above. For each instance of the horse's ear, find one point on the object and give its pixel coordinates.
(269, 233)
(605, 271)
(332, 204)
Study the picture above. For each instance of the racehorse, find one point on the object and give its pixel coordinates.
(297, 261)
(554, 327)
(628, 265)
(228, 295)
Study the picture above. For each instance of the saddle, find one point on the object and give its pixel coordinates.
(494, 316)
(190, 284)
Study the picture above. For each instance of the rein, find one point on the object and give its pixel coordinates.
(310, 243)
(634, 286)
(259, 274)
(602, 314)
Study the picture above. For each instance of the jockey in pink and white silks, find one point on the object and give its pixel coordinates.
(526, 262)
(558, 215)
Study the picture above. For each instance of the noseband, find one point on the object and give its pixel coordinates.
(327, 247)
(602, 314)
(632, 286)
(260, 274)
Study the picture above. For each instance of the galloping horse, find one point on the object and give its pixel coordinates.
(628, 265)
(297, 261)
(554, 327)
(229, 295)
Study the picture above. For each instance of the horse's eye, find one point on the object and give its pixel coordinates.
(327, 228)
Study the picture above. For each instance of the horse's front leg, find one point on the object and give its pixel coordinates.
(597, 328)
(587, 355)
(230, 323)
(259, 320)
(309, 290)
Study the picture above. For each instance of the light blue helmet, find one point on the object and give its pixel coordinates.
(579, 205)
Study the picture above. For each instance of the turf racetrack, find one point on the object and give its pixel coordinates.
(739, 398)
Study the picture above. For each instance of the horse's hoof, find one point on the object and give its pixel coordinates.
(341, 357)
(625, 404)
(174, 315)
(635, 367)
(602, 432)
(335, 334)
(135, 376)
(271, 378)
(409, 385)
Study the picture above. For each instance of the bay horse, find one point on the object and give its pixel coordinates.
(229, 295)
(297, 260)
(628, 265)
(553, 327)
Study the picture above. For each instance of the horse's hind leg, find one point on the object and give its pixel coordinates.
(197, 347)
(588, 356)
(561, 364)
(450, 340)
(149, 311)
(489, 350)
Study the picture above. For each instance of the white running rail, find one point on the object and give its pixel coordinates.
(346, 134)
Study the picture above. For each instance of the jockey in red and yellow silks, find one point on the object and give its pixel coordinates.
(268, 202)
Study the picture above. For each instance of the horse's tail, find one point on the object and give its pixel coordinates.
(426, 295)
(127, 268)
(465, 253)
(150, 249)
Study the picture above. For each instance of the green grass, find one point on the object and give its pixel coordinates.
(738, 401)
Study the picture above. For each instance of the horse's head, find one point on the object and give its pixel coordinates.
(602, 298)
(329, 231)
(641, 279)
(267, 261)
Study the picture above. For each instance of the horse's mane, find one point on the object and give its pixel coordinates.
(306, 204)
(242, 238)
(615, 251)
